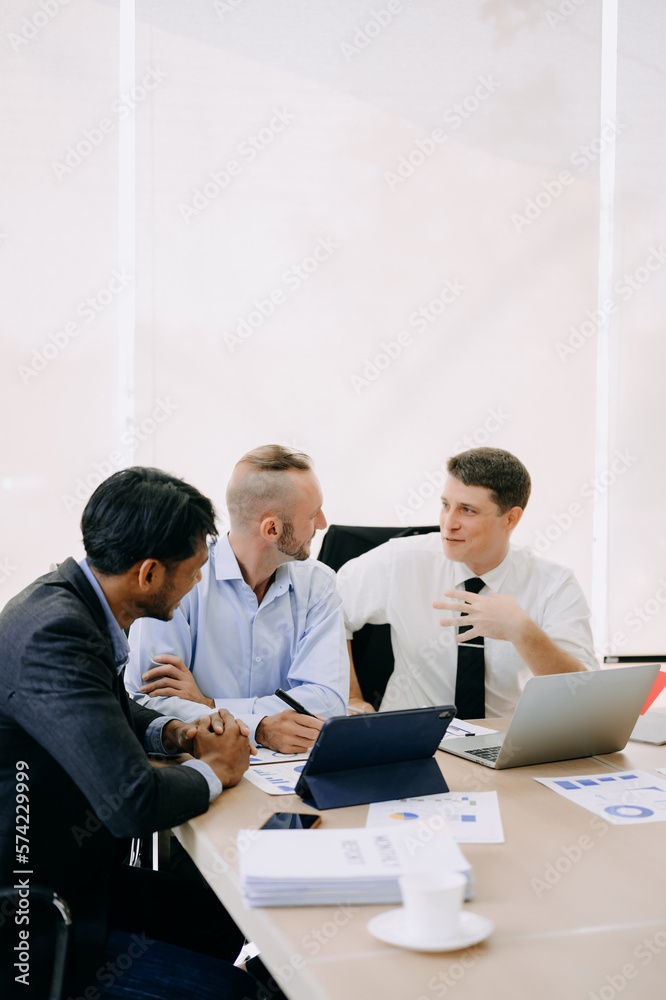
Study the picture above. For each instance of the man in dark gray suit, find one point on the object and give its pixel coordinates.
(73, 747)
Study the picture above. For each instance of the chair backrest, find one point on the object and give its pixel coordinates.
(371, 645)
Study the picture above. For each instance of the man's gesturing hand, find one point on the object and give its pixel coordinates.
(172, 679)
(226, 751)
(495, 616)
(288, 732)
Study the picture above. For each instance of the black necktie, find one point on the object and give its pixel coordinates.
(470, 686)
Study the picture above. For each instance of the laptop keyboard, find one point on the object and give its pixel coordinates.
(488, 753)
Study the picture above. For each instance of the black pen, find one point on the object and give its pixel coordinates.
(465, 732)
(297, 707)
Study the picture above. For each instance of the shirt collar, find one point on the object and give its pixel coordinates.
(227, 568)
(226, 564)
(118, 637)
(493, 579)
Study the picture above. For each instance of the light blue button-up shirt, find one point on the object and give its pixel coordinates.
(152, 739)
(239, 652)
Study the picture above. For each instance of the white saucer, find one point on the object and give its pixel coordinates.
(389, 927)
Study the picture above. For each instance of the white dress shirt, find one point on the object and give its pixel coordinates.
(397, 583)
(239, 652)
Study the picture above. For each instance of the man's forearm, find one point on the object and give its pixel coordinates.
(541, 654)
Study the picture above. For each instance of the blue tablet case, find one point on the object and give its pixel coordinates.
(374, 757)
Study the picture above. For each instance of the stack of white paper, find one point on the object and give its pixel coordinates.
(316, 867)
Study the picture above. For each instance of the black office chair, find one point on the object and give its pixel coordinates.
(371, 645)
(49, 932)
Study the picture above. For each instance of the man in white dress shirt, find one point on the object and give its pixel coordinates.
(264, 616)
(529, 615)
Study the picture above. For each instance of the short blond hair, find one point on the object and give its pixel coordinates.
(268, 484)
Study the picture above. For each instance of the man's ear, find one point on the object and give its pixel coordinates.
(149, 574)
(270, 528)
(513, 516)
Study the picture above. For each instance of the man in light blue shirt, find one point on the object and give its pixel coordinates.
(263, 616)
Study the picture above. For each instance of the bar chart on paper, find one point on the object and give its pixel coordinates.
(276, 779)
(620, 798)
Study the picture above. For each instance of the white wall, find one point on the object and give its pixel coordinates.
(338, 103)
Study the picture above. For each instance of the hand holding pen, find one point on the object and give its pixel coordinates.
(291, 731)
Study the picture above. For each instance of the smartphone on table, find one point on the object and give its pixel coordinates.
(291, 821)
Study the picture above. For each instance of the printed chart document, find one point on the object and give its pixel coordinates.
(473, 817)
(276, 779)
(621, 797)
(266, 756)
(315, 867)
(458, 728)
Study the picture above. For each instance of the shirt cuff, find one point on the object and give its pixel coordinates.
(152, 738)
(152, 742)
(252, 721)
(214, 783)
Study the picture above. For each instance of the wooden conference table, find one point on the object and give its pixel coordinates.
(579, 906)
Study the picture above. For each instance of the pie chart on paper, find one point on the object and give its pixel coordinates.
(404, 815)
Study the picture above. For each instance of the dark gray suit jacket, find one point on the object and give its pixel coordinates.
(65, 718)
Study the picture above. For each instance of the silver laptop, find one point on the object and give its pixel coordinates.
(562, 716)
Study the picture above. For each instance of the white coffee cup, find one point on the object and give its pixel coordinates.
(431, 903)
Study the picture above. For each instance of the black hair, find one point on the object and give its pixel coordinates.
(143, 513)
